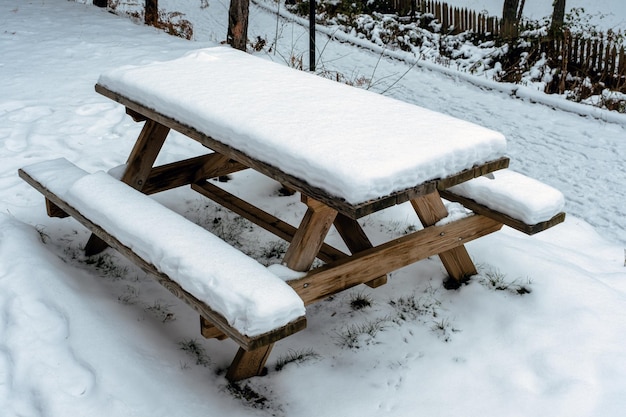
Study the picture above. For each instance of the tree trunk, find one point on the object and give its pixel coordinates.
(509, 18)
(558, 17)
(238, 24)
(151, 15)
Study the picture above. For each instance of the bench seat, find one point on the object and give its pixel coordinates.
(238, 295)
(514, 199)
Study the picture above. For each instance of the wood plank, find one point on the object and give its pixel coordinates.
(249, 363)
(529, 229)
(137, 117)
(144, 153)
(430, 209)
(261, 218)
(354, 211)
(209, 331)
(246, 342)
(218, 165)
(310, 236)
(474, 172)
(187, 172)
(371, 263)
(54, 211)
(356, 240)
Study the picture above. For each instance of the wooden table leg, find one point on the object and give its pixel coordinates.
(430, 209)
(356, 240)
(310, 236)
(139, 164)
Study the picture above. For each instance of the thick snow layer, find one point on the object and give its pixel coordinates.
(80, 339)
(514, 194)
(251, 298)
(352, 143)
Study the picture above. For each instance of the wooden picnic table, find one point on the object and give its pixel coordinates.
(335, 141)
(348, 152)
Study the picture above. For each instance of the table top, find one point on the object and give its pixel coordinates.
(351, 143)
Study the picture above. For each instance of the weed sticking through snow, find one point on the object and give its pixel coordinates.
(444, 329)
(356, 336)
(195, 350)
(496, 280)
(297, 357)
(130, 295)
(107, 266)
(411, 307)
(161, 311)
(360, 301)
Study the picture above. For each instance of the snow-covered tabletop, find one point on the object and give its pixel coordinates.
(351, 143)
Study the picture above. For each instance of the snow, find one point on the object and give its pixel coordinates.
(97, 337)
(515, 195)
(340, 142)
(251, 299)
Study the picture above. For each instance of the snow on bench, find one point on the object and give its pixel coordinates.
(353, 144)
(514, 199)
(250, 298)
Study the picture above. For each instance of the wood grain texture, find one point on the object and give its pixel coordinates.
(430, 209)
(188, 171)
(310, 236)
(356, 240)
(379, 260)
(209, 331)
(248, 363)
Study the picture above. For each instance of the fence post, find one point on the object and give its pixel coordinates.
(613, 61)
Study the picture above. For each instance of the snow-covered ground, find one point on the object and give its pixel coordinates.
(98, 337)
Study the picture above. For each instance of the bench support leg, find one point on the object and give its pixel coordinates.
(249, 363)
(139, 165)
(430, 209)
(356, 240)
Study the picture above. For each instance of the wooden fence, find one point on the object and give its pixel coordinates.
(454, 20)
(603, 59)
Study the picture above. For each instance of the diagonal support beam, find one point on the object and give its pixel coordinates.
(406, 250)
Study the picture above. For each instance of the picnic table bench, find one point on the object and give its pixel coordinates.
(348, 152)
